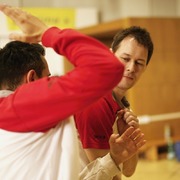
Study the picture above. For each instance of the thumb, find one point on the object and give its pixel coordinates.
(24, 38)
(17, 36)
(120, 114)
(113, 138)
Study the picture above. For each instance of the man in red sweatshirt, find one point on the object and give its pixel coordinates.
(38, 137)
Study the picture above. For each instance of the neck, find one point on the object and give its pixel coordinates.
(118, 94)
(119, 97)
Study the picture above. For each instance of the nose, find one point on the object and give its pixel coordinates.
(131, 67)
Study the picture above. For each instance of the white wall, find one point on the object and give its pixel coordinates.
(11, 2)
(164, 8)
(111, 9)
(178, 8)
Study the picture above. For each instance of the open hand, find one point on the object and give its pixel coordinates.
(32, 28)
(125, 146)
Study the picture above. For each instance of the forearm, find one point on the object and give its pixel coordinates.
(129, 166)
(101, 168)
(74, 91)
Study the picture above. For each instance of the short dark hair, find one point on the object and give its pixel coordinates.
(141, 35)
(16, 59)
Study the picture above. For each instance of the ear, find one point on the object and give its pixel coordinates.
(31, 76)
(111, 50)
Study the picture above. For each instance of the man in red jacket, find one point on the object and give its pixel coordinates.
(38, 139)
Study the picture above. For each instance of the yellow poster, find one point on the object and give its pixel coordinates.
(60, 17)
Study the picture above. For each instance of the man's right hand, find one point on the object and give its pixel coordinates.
(125, 118)
(32, 28)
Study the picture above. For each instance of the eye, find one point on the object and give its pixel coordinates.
(140, 63)
(125, 59)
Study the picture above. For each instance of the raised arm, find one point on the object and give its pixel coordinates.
(96, 72)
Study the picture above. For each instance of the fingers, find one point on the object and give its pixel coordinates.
(3, 7)
(128, 133)
(21, 37)
(131, 119)
(128, 116)
(120, 113)
(138, 138)
(11, 12)
(135, 136)
(121, 126)
(140, 144)
(17, 36)
(32, 28)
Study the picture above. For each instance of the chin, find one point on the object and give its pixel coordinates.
(124, 86)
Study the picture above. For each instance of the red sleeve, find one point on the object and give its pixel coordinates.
(40, 105)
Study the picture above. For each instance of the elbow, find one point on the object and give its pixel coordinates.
(118, 72)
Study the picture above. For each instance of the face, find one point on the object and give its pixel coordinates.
(134, 57)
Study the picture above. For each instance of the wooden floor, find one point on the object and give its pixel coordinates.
(156, 170)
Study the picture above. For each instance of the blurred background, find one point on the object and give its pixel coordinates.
(110, 9)
(156, 97)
